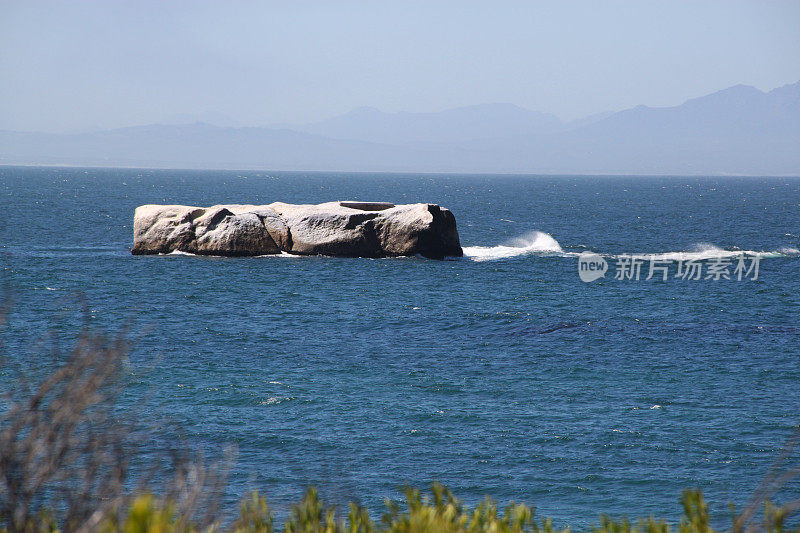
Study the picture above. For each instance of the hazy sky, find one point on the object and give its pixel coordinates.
(84, 65)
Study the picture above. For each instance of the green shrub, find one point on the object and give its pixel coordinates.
(254, 516)
(439, 512)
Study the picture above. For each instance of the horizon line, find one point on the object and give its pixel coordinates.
(400, 173)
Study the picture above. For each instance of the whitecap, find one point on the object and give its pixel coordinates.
(535, 242)
(706, 251)
(282, 254)
(270, 401)
(274, 400)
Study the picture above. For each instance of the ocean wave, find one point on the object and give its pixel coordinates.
(274, 400)
(282, 254)
(178, 252)
(539, 243)
(705, 251)
(543, 244)
(786, 250)
(534, 242)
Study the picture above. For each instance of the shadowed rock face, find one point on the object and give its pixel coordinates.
(349, 229)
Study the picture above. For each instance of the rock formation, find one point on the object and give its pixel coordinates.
(350, 229)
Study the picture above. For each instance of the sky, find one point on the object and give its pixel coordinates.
(84, 65)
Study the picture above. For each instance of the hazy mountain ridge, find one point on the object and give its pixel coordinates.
(738, 130)
(740, 109)
(452, 125)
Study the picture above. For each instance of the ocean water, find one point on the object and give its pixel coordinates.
(499, 373)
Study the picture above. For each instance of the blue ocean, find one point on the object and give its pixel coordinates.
(500, 373)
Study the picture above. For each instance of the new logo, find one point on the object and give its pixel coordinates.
(591, 266)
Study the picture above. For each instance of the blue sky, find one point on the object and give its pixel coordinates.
(75, 65)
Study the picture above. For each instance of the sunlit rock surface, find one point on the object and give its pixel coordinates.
(349, 229)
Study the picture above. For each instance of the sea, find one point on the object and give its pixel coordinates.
(670, 360)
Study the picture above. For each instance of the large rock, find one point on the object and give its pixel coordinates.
(352, 229)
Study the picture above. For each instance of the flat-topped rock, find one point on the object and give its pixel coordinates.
(349, 229)
(367, 206)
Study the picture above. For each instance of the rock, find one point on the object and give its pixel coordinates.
(330, 229)
(217, 230)
(272, 221)
(367, 206)
(221, 232)
(424, 229)
(350, 229)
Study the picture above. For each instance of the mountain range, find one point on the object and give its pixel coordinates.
(739, 130)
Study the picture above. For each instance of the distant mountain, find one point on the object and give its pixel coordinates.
(739, 130)
(194, 146)
(453, 125)
(740, 111)
(209, 117)
(583, 121)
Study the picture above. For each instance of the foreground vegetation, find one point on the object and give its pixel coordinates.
(69, 463)
(440, 512)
